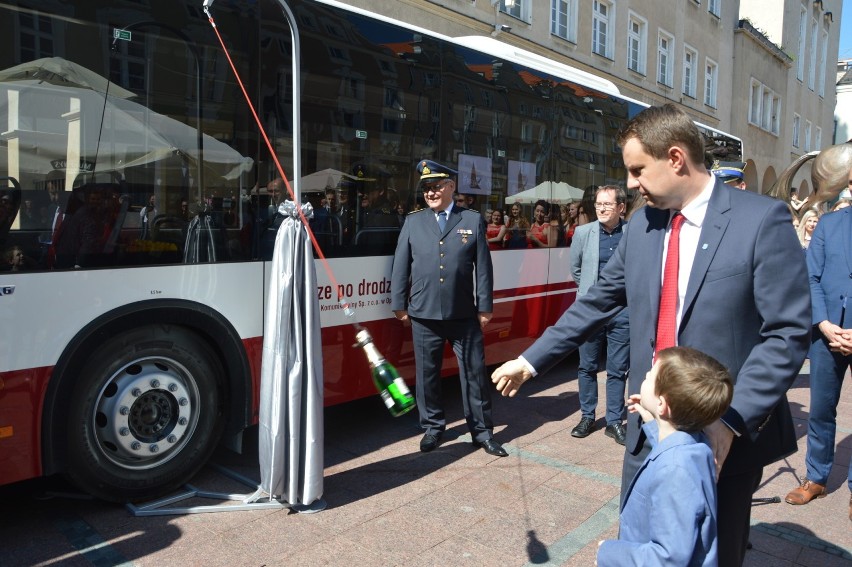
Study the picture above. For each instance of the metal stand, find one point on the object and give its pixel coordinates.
(256, 501)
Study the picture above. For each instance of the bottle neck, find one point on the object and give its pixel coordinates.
(374, 357)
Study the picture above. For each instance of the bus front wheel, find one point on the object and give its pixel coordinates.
(145, 413)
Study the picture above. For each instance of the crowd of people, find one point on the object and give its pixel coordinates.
(705, 403)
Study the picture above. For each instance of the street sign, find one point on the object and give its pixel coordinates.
(123, 35)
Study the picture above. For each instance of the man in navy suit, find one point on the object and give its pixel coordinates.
(829, 259)
(442, 281)
(737, 298)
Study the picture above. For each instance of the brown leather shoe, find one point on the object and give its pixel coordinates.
(805, 493)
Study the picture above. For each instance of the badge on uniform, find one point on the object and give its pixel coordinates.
(465, 233)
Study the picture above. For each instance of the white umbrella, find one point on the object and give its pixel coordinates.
(61, 72)
(120, 133)
(550, 191)
(322, 180)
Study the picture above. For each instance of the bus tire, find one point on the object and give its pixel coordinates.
(145, 413)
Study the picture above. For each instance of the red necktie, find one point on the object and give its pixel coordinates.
(666, 320)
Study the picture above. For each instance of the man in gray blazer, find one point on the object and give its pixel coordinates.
(738, 297)
(442, 281)
(591, 248)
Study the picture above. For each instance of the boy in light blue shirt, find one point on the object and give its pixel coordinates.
(669, 511)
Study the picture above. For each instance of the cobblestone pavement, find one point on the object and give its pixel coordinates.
(548, 503)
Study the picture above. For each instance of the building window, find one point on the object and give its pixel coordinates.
(766, 120)
(714, 7)
(812, 69)
(602, 17)
(796, 123)
(800, 56)
(711, 82)
(807, 135)
(818, 138)
(637, 42)
(755, 98)
(823, 49)
(563, 19)
(519, 9)
(690, 59)
(775, 122)
(764, 107)
(35, 36)
(665, 60)
(128, 67)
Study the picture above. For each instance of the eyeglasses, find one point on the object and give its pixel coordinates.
(605, 206)
(435, 188)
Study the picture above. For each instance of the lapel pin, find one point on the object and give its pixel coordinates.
(704, 246)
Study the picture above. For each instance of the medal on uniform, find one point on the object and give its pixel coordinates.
(465, 233)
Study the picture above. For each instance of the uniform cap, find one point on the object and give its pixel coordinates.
(429, 169)
(728, 170)
(363, 172)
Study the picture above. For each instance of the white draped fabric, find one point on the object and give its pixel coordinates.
(291, 388)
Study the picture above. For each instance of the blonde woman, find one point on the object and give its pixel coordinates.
(806, 227)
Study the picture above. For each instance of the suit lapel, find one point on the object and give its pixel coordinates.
(432, 221)
(715, 223)
(453, 220)
(847, 242)
(592, 252)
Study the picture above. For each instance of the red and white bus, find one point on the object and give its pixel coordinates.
(135, 218)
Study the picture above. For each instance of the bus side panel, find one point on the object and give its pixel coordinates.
(21, 401)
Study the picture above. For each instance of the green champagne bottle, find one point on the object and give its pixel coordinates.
(391, 386)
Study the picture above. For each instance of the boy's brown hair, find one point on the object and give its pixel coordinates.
(696, 386)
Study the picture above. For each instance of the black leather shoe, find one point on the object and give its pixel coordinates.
(430, 442)
(584, 428)
(492, 447)
(617, 432)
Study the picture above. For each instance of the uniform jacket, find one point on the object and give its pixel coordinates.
(442, 276)
(585, 254)
(744, 306)
(829, 260)
(669, 513)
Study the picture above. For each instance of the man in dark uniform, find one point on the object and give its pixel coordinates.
(377, 222)
(435, 287)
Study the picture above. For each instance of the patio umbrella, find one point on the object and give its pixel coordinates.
(290, 437)
(322, 180)
(550, 191)
(120, 133)
(64, 73)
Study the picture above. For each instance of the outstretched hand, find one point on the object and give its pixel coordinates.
(634, 405)
(509, 377)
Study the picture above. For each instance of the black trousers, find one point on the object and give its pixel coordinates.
(465, 336)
